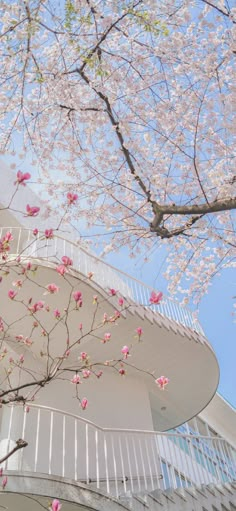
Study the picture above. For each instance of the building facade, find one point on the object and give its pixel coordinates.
(136, 447)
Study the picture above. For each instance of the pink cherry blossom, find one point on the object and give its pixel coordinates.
(139, 331)
(29, 265)
(22, 177)
(56, 505)
(67, 261)
(99, 374)
(32, 210)
(21, 359)
(35, 232)
(52, 288)
(125, 351)
(83, 355)
(112, 291)
(1, 472)
(162, 381)
(75, 379)
(57, 313)
(4, 482)
(80, 326)
(72, 197)
(49, 233)
(84, 403)
(121, 301)
(12, 294)
(155, 298)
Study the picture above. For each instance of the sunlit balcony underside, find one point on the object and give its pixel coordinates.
(166, 347)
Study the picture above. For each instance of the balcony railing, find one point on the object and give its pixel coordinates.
(119, 462)
(105, 275)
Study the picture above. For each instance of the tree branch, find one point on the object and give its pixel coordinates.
(19, 445)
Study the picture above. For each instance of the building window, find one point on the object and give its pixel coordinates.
(166, 474)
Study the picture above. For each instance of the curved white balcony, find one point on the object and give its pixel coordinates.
(173, 341)
(105, 275)
(115, 461)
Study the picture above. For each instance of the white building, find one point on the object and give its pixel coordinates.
(135, 447)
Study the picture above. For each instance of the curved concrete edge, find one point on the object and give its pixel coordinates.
(43, 485)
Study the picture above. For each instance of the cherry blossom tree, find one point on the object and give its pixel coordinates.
(129, 105)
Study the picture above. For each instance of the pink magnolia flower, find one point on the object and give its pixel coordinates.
(106, 337)
(8, 237)
(86, 373)
(139, 331)
(49, 234)
(56, 505)
(72, 197)
(28, 341)
(84, 403)
(17, 283)
(75, 379)
(67, 261)
(105, 318)
(12, 294)
(35, 232)
(52, 288)
(36, 307)
(32, 210)
(116, 316)
(77, 295)
(61, 269)
(155, 298)
(125, 351)
(162, 381)
(57, 313)
(83, 355)
(4, 482)
(19, 337)
(1, 325)
(22, 177)
(112, 292)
